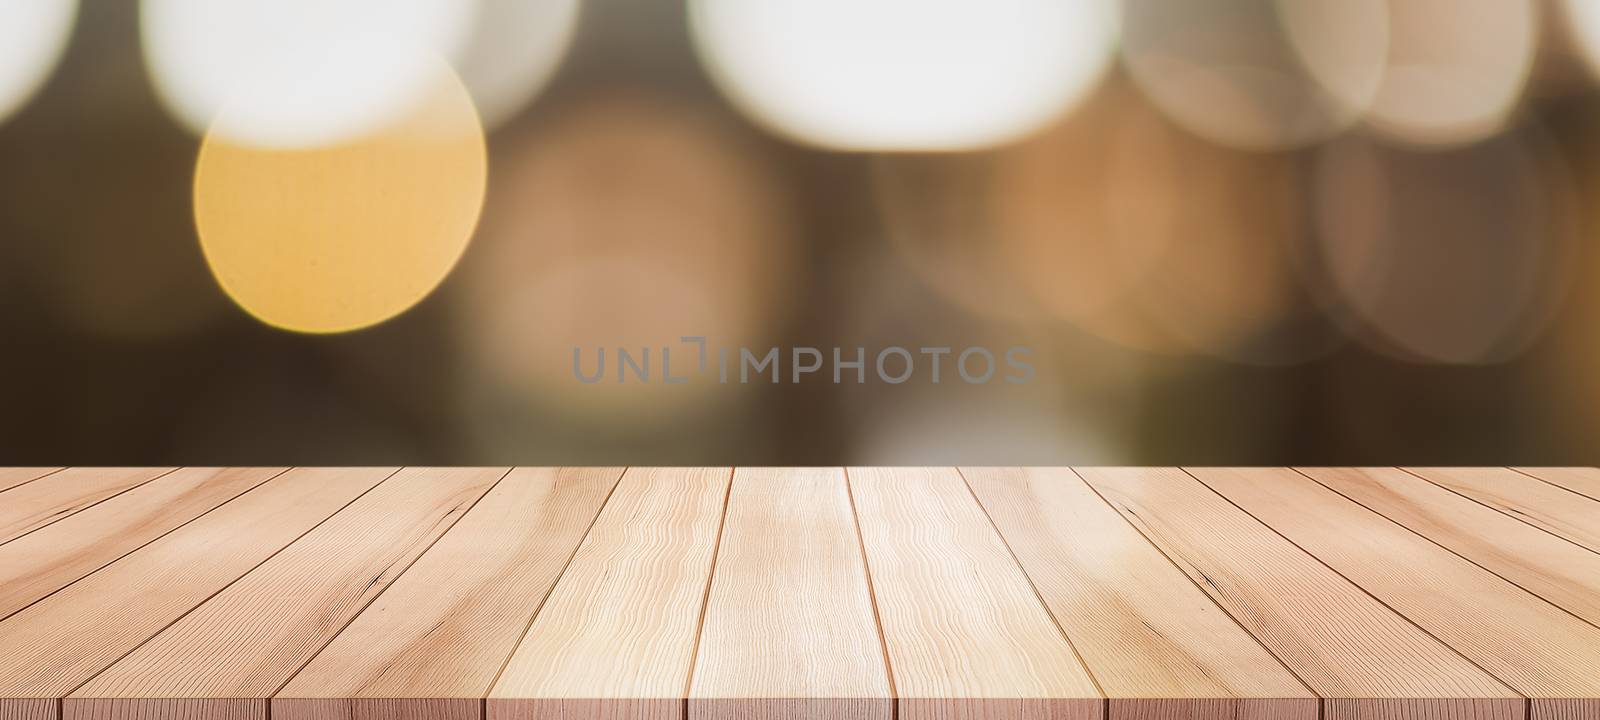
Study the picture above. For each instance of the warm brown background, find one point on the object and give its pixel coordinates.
(119, 348)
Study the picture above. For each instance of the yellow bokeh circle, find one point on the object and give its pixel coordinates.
(338, 238)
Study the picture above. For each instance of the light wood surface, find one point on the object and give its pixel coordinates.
(56, 645)
(1550, 567)
(13, 476)
(1368, 661)
(249, 640)
(48, 559)
(1552, 508)
(1581, 480)
(1538, 649)
(432, 644)
(1157, 645)
(617, 637)
(789, 630)
(30, 506)
(788, 593)
(966, 634)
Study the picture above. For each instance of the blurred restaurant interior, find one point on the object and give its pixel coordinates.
(374, 231)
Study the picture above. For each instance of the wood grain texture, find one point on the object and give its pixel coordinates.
(13, 476)
(1367, 660)
(1534, 647)
(27, 708)
(381, 708)
(966, 634)
(1541, 504)
(51, 557)
(616, 638)
(30, 506)
(1159, 647)
(781, 594)
(245, 643)
(441, 633)
(1565, 574)
(171, 709)
(789, 630)
(57, 644)
(1582, 480)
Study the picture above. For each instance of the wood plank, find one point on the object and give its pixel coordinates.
(433, 643)
(967, 635)
(1159, 647)
(177, 709)
(1582, 480)
(13, 476)
(789, 630)
(26, 709)
(617, 636)
(54, 556)
(33, 505)
(1534, 647)
(1557, 510)
(1565, 574)
(1367, 661)
(62, 641)
(244, 644)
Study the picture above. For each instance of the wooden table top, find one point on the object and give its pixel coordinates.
(971, 593)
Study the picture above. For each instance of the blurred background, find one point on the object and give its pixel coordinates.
(1233, 231)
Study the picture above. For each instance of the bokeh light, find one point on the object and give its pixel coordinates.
(942, 433)
(342, 237)
(298, 73)
(33, 34)
(515, 47)
(1152, 238)
(1454, 256)
(935, 219)
(1039, 231)
(1230, 282)
(633, 220)
(1122, 225)
(905, 74)
(1258, 75)
(1583, 23)
(1071, 210)
(1456, 70)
